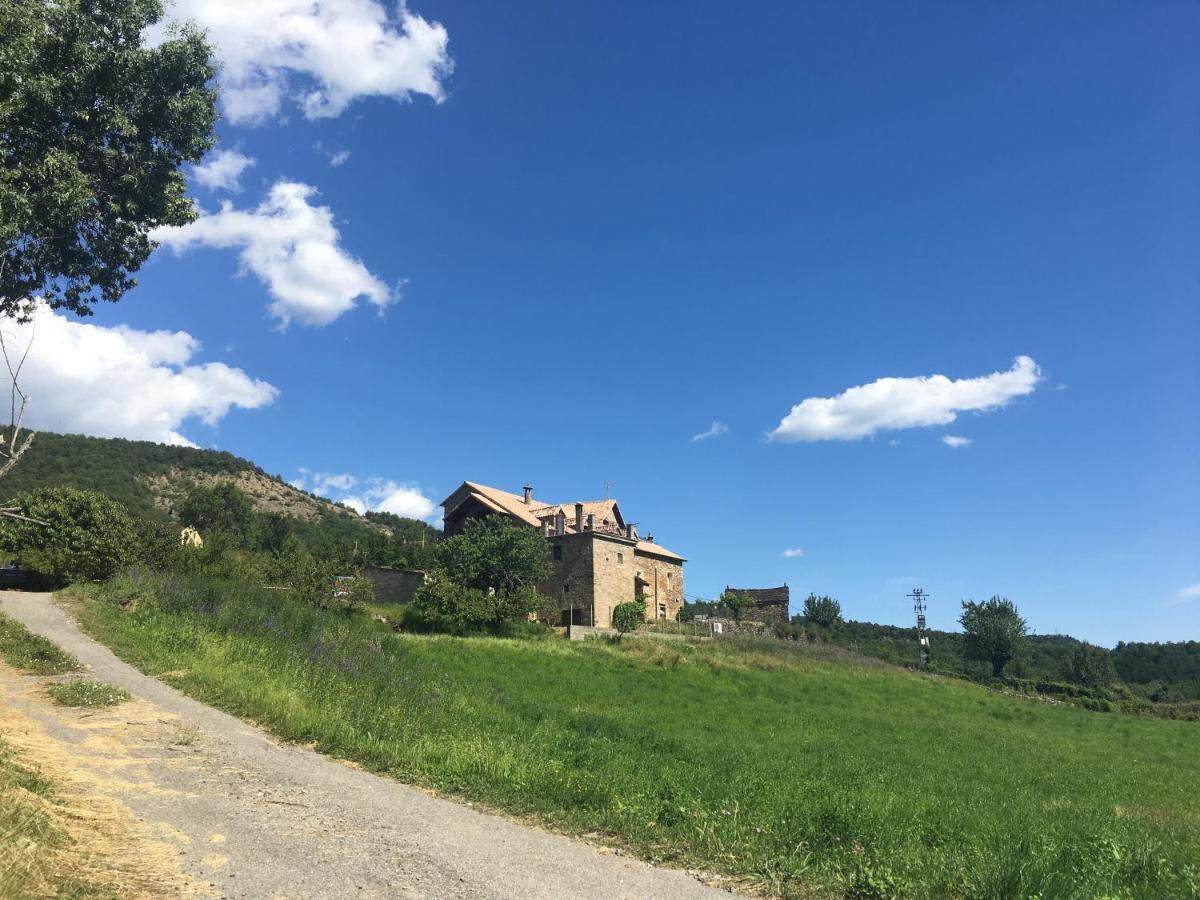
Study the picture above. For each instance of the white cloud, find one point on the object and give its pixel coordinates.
(121, 382)
(321, 54)
(292, 246)
(222, 171)
(339, 159)
(895, 403)
(327, 483)
(1191, 592)
(793, 554)
(715, 430)
(373, 494)
(954, 441)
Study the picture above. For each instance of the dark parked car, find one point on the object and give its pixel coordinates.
(15, 578)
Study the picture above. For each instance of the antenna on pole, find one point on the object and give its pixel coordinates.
(607, 488)
(918, 598)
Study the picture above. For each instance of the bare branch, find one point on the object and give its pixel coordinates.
(14, 512)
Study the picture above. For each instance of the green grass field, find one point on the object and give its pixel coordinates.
(810, 773)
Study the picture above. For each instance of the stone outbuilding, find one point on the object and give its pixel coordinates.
(599, 560)
(770, 604)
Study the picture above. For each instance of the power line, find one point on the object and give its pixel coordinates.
(918, 598)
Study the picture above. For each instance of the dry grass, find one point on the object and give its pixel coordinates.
(61, 835)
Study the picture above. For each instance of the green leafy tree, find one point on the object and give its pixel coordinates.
(220, 508)
(94, 127)
(994, 631)
(271, 531)
(823, 611)
(736, 604)
(1091, 666)
(86, 536)
(629, 616)
(505, 562)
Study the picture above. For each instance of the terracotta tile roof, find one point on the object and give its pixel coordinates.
(532, 514)
(657, 550)
(509, 503)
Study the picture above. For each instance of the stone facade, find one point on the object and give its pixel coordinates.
(770, 604)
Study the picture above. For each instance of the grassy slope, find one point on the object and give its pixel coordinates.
(809, 773)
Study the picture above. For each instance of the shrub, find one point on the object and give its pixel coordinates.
(87, 536)
(629, 616)
(442, 605)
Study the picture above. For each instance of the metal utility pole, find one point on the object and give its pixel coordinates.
(918, 598)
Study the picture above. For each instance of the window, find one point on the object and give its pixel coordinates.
(558, 551)
(620, 559)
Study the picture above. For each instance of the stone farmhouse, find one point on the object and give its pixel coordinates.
(599, 560)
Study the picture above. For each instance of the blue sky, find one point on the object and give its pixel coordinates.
(582, 235)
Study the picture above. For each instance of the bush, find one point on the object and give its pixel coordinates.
(87, 536)
(629, 616)
(442, 605)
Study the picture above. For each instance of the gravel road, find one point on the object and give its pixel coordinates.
(255, 818)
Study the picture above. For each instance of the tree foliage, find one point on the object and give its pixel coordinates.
(823, 611)
(218, 508)
(88, 537)
(94, 127)
(442, 605)
(494, 554)
(629, 616)
(736, 604)
(994, 631)
(1091, 666)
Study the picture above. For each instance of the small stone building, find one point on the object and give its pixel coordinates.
(770, 604)
(599, 560)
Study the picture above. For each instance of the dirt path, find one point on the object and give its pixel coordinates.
(258, 819)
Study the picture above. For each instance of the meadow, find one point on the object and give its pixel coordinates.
(803, 771)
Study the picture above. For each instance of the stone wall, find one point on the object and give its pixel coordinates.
(613, 574)
(394, 585)
(664, 585)
(770, 604)
(571, 582)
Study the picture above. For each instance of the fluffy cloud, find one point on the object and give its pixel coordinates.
(895, 403)
(222, 171)
(715, 430)
(292, 246)
(1191, 592)
(321, 54)
(954, 441)
(121, 382)
(793, 554)
(372, 494)
(339, 159)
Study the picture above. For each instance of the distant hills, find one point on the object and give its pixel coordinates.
(149, 479)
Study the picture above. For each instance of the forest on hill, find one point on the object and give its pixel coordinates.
(150, 480)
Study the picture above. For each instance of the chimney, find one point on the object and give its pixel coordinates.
(578, 517)
(528, 494)
(650, 537)
(629, 531)
(591, 522)
(560, 523)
